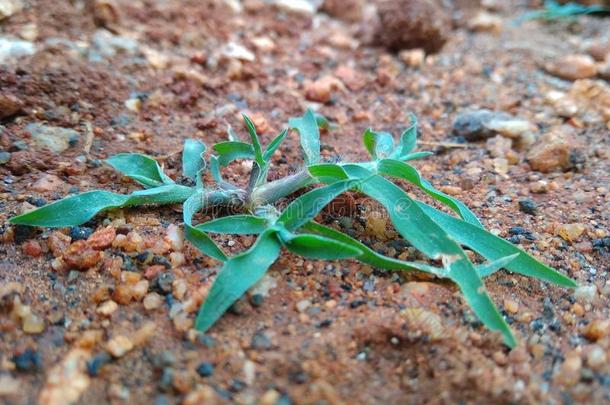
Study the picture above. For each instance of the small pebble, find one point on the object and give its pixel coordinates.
(153, 301)
(118, 346)
(528, 206)
(107, 308)
(28, 361)
(205, 369)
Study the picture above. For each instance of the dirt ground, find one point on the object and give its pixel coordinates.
(108, 77)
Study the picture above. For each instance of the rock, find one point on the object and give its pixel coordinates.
(586, 293)
(107, 308)
(599, 49)
(233, 50)
(407, 24)
(484, 21)
(32, 324)
(10, 49)
(56, 139)
(346, 10)
(596, 357)
(564, 106)
(499, 146)
(551, 152)
(353, 79)
(81, 256)
(104, 44)
(5, 157)
(48, 183)
(321, 90)
(31, 248)
(153, 301)
(120, 345)
(528, 206)
(9, 105)
(597, 329)
(483, 124)
(260, 341)
(307, 7)
(28, 361)
(511, 306)
(303, 305)
(105, 13)
(570, 232)
(10, 7)
(66, 381)
(413, 57)
(175, 237)
(9, 386)
(569, 372)
(205, 369)
(102, 238)
(572, 67)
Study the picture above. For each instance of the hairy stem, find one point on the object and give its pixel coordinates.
(273, 191)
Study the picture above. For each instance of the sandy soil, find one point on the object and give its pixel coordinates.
(324, 332)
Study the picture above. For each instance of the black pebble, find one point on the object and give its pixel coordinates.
(80, 232)
(163, 283)
(257, 300)
(528, 206)
(28, 361)
(205, 369)
(260, 341)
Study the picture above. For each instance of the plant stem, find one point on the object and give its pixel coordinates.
(273, 191)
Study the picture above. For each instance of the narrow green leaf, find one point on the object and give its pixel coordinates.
(231, 150)
(427, 236)
(274, 144)
(197, 237)
(416, 155)
(368, 255)
(379, 144)
(327, 172)
(236, 276)
(215, 169)
(143, 169)
(396, 168)
(256, 143)
(493, 248)
(235, 224)
(306, 207)
(408, 140)
(489, 268)
(318, 247)
(309, 135)
(192, 158)
(78, 209)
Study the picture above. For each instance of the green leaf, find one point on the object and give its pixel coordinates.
(493, 248)
(231, 150)
(379, 144)
(192, 158)
(235, 224)
(78, 209)
(408, 140)
(309, 135)
(256, 143)
(215, 169)
(424, 234)
(396, 168)
(274, 144)
(318, 247)
(324, 123)
(143, 169)
(197, 237)
(306, 207)
(368, 255)
(489, 268)
(236, 276)
(416, 155)
(327, 172)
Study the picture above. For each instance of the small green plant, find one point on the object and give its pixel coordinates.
(438, 235)
(554, 11)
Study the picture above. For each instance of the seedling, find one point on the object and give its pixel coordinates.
(438, 235)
